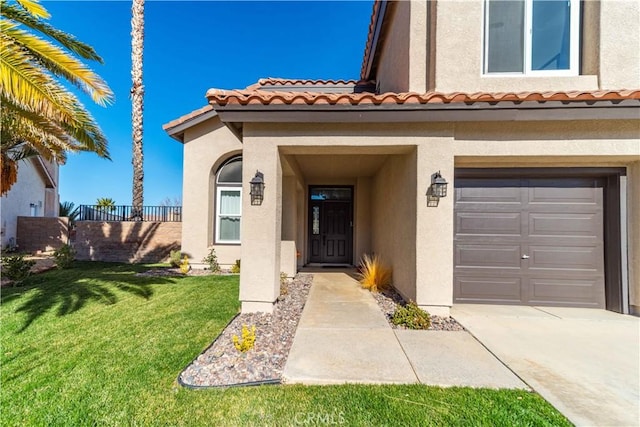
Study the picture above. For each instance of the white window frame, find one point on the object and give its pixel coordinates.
(219, 191)
(574, 54)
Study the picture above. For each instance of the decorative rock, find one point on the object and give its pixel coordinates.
(222, 365)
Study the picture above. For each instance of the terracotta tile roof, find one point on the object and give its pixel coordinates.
(257, 97)
(369, 45)
(187, 117)
(275, 82)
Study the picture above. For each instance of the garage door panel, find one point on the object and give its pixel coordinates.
(503, 290)
(569, 258)
(473, 191)
(529, 241)
(564, 224)
(488, 223)
(488, 256)
(584, 292)
(565, 192)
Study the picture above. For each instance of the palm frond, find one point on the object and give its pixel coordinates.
(34, 8)
(42, 132)
(59, 62)
(31, 87)
(16, 14)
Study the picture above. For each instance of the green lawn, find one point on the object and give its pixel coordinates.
(95, 345)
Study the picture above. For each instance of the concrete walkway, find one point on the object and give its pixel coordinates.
(585, 362)
(343, 337)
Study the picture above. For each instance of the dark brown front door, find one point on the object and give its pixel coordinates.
(330, 225)
(529, 241)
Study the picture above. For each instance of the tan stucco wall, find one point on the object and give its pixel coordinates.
(633, 233)
(619, 44)
(391, 213)
(605, 143)
(261, 227)
(394, 221)
(403, 59)
(207, 145)
(609, 47)
(393, 66)
(434, 269)
(363, 209)
(459, 50)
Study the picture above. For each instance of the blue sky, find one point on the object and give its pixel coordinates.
(189, 48)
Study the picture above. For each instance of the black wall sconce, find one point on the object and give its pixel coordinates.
(257, 189)
(436, 190)
(438, 185)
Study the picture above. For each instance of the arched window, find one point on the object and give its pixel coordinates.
(229, 201)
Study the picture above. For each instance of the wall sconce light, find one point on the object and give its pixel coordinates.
(257, 189)
(438, 185)
(436, 190)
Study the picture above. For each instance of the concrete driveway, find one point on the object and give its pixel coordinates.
(585, 362)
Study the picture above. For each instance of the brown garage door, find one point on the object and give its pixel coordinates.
(529, 241)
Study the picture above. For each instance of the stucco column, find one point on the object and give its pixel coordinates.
(261, 228)
(633, 231)
(434, 229)
(289, 225)
(289, 196)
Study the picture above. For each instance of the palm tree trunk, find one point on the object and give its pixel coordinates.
(137, 104)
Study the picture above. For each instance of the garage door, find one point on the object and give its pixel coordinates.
(529, 241)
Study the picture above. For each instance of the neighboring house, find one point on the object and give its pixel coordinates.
(530, 110)
(35, 193)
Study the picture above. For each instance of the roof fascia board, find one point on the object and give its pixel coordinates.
(376, 37)
(389, 115)
(177, 132)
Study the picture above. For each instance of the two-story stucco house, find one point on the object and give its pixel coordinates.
(35, 193)
(529, 110)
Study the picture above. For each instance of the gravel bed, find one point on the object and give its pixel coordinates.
(222, 365)
(389, 299)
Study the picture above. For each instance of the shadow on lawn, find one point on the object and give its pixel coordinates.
(68, 291)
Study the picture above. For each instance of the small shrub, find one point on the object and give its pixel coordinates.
(16, 268)
(411, 316)
(374, 275)
(212, 260)
(247, 341)
(64, 256)
(235, 268)
(175, 258)
(184, 265)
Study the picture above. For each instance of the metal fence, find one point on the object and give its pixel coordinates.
(128, 213)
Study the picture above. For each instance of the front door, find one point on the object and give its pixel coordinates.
(330, 225)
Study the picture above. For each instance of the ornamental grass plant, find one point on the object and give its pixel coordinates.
(374, 274)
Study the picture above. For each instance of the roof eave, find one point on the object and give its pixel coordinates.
(376, 29)
(177, 132)
(235, 115)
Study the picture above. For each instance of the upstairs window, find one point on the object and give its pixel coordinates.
(229, 201)
(535, 37)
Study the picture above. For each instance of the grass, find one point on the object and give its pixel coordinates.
(96, 345)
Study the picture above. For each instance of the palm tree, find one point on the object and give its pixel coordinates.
(106, 203)
(137, 105)
(39, 114)
(69, 210)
